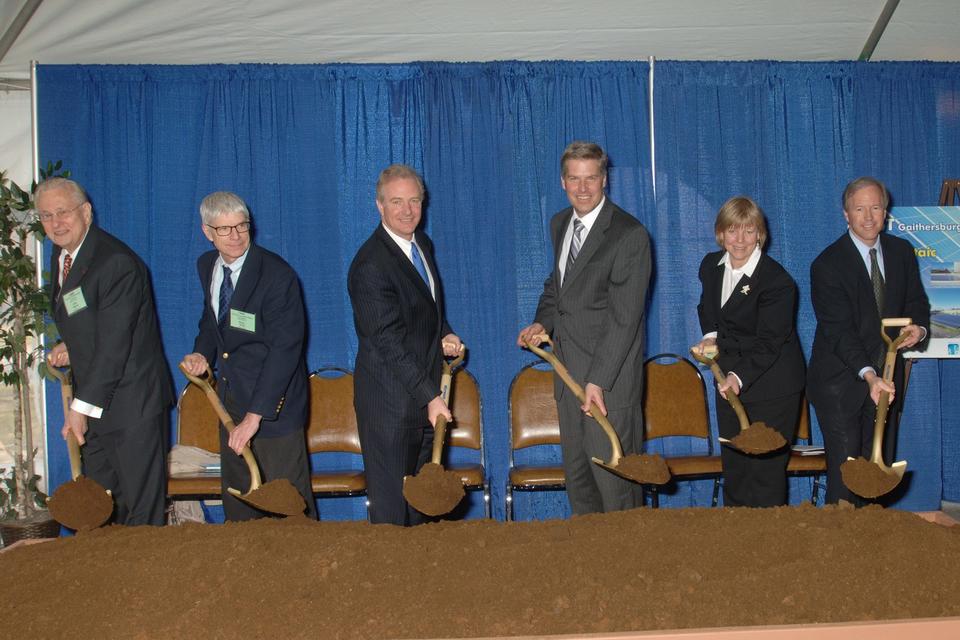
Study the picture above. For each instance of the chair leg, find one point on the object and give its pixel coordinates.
(486, 500)
(654, 498)
(716, 491)
(508, 502)
(816, 489)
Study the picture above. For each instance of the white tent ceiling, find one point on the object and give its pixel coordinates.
(321, 31)
(298, 31)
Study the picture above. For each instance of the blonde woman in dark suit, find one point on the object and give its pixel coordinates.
(748, 310)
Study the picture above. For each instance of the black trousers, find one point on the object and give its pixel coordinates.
(849, 434)
(757, 480)
(281, 457)
(130, 463)
(388, 456)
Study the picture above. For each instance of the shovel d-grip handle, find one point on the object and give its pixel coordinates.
(617, 450)
(211, 393)
(440, 428)
(707, 358)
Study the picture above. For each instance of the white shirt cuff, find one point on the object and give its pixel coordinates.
(712, 334)
(86, 408)
(863, 372)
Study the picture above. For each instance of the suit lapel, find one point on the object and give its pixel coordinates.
(249, 276)
(404, 264)
(80, 265)
(893, 279)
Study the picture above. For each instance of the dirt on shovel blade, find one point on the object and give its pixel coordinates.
(644, 468)
(433, 491)
(758, 438)
(81, 504)
(277, 496)
(866, 479)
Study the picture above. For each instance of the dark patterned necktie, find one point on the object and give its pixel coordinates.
(576, 241)
(226, 292)
(67, 263)
(876, 278)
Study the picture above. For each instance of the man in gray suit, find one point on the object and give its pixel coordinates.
(593, 307)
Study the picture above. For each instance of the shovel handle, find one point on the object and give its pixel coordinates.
(440, 428)
(211, 393)
(617, 450)
(66, 396)
(707, 358)
(890, 361)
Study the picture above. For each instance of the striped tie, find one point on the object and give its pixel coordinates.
(575, 243)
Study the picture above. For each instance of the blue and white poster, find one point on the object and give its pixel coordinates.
(935, 235)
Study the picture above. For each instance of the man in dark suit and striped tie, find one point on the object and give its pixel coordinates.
(402, 338)
(593, 306)
(862, 277)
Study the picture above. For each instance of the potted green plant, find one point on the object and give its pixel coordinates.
(24, 304)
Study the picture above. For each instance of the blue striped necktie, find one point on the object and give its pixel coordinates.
(226, 292)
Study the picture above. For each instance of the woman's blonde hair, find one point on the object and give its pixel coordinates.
(740, 211)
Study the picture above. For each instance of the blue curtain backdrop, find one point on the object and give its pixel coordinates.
(304, 144)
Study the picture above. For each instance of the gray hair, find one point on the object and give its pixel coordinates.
(860, 183)
(53, 184)
(398, 172)
(220, 202)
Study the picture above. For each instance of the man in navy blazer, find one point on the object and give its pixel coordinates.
(402, 337)
(593, 306)
(103, 305)
(843, 381)
(253, 329)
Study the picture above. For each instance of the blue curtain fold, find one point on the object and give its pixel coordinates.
(303, 145)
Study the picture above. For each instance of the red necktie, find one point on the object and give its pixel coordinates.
(67, 263)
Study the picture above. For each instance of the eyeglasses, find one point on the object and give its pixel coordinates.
(225, 230)
(47, 216)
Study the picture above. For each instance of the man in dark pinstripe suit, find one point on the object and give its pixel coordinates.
(402, 336)
(593, 306)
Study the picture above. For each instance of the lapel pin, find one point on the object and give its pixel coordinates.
(745, 289)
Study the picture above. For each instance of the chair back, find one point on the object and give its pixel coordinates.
(333, 421)
(197, 422)
(803, 423)
(674, 399)
(533, 410)
(466, 407)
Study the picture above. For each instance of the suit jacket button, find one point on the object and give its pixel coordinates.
(225, 355)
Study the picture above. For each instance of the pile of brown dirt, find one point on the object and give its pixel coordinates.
(644, 468)
(434, 490)
(867, 479)
(758, 438)
(277, 496)
(81, 504)
(641, 569)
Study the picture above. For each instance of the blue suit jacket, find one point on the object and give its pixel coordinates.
(262, 370)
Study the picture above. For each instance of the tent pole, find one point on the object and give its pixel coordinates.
(653, 154)
(38, 252)
(878, 30)
(13, 32)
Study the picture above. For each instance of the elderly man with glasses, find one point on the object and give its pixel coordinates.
(103, 305)
(252, 329)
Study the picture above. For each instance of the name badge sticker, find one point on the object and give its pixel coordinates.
(243, 320)
(74, 301)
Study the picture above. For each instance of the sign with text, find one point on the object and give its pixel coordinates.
(935, 235)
